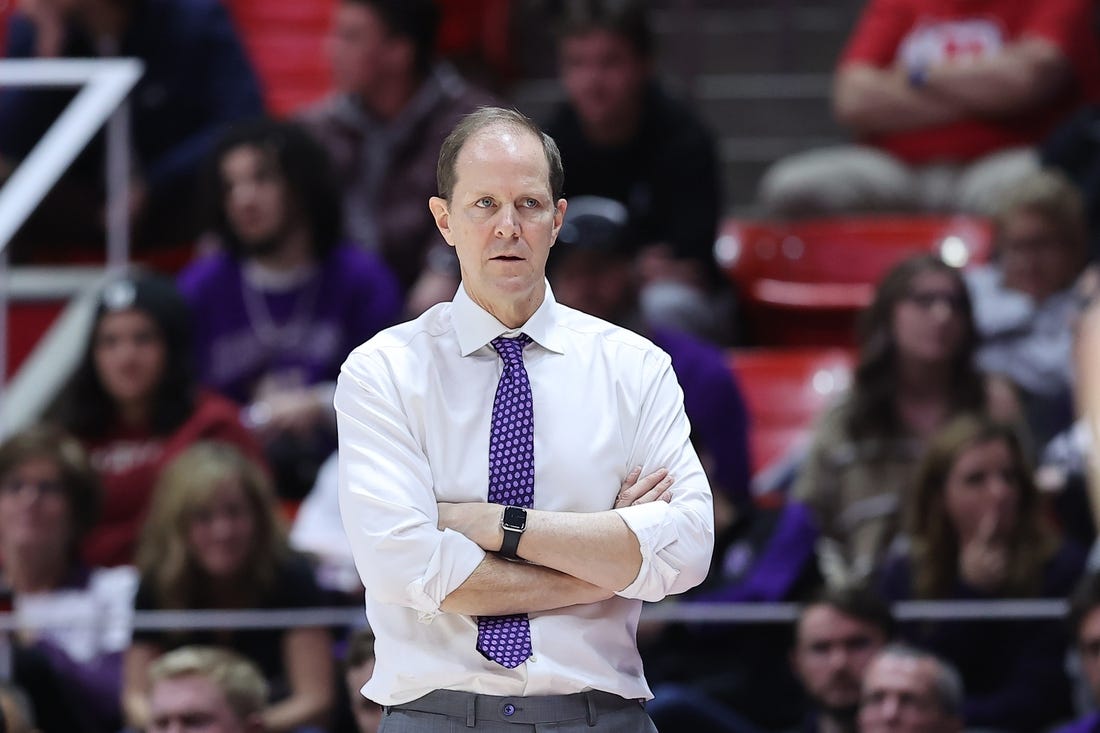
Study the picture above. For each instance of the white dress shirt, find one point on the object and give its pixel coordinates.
(413, 407)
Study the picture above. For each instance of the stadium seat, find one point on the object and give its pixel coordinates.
(7, 7)
(785, 390)
(286, 43)
(27, 321)
(803, 283)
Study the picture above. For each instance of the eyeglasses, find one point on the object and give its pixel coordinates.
(15, 486)
(927, 299)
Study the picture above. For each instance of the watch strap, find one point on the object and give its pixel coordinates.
(510, 546)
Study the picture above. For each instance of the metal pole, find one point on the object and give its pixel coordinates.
(118, 189)
(4, 303)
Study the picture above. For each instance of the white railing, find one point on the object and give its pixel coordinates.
(667, 611)
(104, 86)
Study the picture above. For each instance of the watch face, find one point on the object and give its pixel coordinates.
(514, 518)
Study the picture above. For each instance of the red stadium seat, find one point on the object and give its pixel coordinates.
(802, 283)
(785, 390)
(27, 321)
(286, 43)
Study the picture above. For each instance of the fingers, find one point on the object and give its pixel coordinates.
(651, 487)
(630, 478)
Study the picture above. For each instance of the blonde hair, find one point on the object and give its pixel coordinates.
(239, 680)
(934, 539)
(1051, 195)
(185, 486)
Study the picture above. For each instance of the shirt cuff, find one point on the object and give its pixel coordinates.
(454, 560)
(649, 524)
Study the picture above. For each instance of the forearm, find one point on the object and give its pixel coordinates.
(498, 587)
(595, 547)
(873, 101)
(298, 710)
(1014, 81)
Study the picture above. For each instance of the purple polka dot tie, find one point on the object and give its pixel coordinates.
(507, 639)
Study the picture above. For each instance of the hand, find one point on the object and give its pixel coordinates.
(479, 521)
(983, 562)
(297, 411)
(654, 487)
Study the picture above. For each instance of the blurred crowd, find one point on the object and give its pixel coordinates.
(188, 463)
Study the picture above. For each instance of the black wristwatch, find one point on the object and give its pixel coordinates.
(513, 523)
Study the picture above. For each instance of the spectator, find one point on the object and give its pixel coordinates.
(836, 636)
(1084, 624)
(622, 137)
(134, 405)
(74, 621)
(590, 269)
(394, 105)
(206, 688)
(947, 100)
(213, 542)
(976, 532)
(196, 79)
(1025, 303)
(915, 371)
(906, 690)
(359, 666)
(278, 309)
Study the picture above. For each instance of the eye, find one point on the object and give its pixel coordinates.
(531, 203)
(484, 203)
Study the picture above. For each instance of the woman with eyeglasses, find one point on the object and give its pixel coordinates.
(134, 403)
(976, 531)
(915, 371)
(73, 620)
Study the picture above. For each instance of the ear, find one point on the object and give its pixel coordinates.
(442, 216)
(559, 218)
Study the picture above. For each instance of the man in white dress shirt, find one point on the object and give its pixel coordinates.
(499, 617)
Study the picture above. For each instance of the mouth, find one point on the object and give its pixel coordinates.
(507, 258)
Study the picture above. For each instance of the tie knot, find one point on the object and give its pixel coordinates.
(511, 349)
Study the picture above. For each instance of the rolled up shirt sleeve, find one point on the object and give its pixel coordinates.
(387, 500)
(676, 538)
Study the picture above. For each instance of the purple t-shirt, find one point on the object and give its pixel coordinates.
(715, 406)
(296, 337)
(1088, 724)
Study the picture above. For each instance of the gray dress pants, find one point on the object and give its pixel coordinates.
(448, 711)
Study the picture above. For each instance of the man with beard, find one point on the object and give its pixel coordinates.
(836, 637)
(277, 310)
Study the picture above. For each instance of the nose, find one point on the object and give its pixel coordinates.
(507, 224)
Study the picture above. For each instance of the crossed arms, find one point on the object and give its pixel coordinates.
(654, 539)
(872, 100)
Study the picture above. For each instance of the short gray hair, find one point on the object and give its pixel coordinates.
(484, 118)
(948, 682)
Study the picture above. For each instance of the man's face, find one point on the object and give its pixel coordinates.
(368, 714)
(193, 704)
(256, 199)
(501, 217)
(1088, 641)
(899, 696)
(361, 49)
(603, 76)
(832, 652)
(1035, 256)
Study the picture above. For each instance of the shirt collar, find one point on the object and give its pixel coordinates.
(476, 327)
